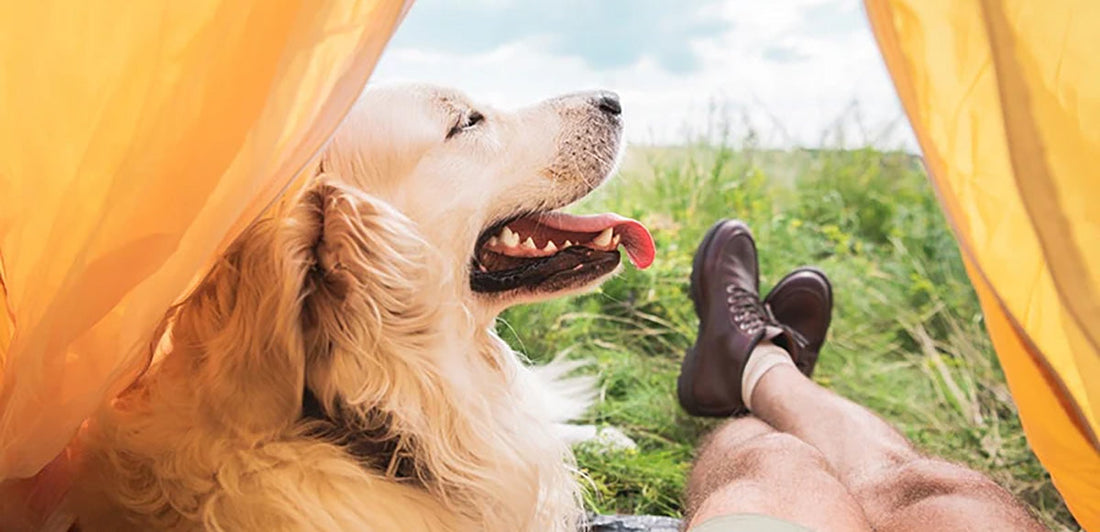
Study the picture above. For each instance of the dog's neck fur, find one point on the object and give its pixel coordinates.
(485, 467)
(370, 438)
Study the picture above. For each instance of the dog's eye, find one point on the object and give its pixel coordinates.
(467, 122)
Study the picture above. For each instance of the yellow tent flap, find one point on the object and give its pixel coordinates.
(138, 137)
(1004, 97)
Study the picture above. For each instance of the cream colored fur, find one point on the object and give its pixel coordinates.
(359, 292)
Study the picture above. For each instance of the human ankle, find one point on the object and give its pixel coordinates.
(765, 356)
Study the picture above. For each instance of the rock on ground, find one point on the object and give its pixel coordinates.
(632, 523)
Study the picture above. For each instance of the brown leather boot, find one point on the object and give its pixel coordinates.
(803, 302)
(725, 286)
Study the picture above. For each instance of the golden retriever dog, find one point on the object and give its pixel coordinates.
(338, 368)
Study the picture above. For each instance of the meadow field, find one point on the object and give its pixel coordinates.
(907, 338)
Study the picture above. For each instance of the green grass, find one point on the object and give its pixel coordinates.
(907, 339)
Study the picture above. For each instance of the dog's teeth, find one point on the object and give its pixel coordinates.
(615, 241)
(508, 238)
(567, 244)
(604, 238)
(494, 242)
(529, 244)
(550, 247)
(482, 267)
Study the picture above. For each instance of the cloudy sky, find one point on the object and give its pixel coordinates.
(792, 70)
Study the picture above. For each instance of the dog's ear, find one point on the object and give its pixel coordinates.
(239, 333)
(370, 304)
(337, 284)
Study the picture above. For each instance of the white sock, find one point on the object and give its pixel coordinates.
(764, 357)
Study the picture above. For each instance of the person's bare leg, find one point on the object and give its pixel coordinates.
(897, 487)
(746, 467)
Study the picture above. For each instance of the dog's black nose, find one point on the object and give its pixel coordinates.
(608, 102)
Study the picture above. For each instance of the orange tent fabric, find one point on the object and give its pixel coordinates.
(1004, 96)
(137, 139)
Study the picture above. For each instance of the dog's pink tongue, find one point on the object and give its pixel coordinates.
(635, 237)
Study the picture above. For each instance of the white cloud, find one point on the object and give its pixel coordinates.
(792, 68)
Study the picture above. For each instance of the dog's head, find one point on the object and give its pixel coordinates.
(427, 202)
(483, 186)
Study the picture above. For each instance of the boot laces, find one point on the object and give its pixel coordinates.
(748, 313)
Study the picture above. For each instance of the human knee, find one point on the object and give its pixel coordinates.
(922, 479)
(744, 466)
(930, 494)
(729, 457)
(772, 455)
